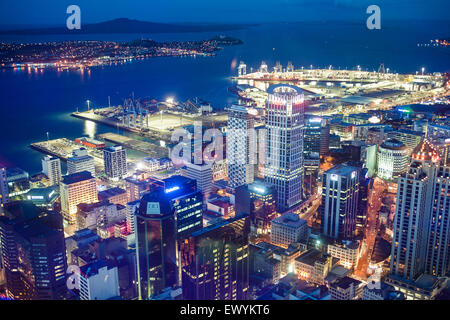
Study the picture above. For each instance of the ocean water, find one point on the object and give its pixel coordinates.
(32, 104)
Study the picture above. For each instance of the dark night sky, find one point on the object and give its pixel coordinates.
(52, 12)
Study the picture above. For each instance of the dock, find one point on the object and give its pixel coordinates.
(62, 148)
(157, 126)
(151, 149)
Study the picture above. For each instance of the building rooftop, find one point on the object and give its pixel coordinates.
(290, 219)
(342, 170)
(76, 177)
(310, 257)
(93, 268)
(393, 144)
(87, 207)
(114, 148)
(284, 89)
(346, 282)
(108, 193)
(425, 151)
(217, 225)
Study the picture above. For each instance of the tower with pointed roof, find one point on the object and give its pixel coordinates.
(421, 237)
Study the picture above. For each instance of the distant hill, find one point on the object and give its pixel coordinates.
(124, 25)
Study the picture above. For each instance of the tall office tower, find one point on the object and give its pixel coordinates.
(4, 192)
(392, 159)
(312, 138)
(257, 200)
(340, 196)
(51, 167)
(241, 148)
(80, 161)
(418, 199)
(165, 216)
(284, 143)
(312, 147)
(115, 159)
(33, 252)
(99, 280)
(215, 261)
(202, 174)
(77, 188)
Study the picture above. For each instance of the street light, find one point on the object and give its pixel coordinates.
(88, 102)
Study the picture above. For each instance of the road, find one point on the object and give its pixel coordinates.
(372, 227)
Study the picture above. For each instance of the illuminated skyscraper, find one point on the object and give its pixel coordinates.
(284, 143)
(165, 217)
(421, 237)
(215, 261)
(340, 199)
(240, 146)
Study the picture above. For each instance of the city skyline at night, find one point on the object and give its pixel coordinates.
(246, 152)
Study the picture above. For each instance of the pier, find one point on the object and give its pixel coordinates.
(62, 148)
(148, 148)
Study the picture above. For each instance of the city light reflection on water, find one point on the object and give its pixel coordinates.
(90, 129)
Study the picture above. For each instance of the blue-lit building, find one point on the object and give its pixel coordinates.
(165, 217)
(43, 197)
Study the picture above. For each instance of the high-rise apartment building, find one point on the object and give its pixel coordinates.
(421, 225)
(284, 143)
(115, 159)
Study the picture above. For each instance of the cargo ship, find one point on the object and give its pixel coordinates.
(91, 143)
